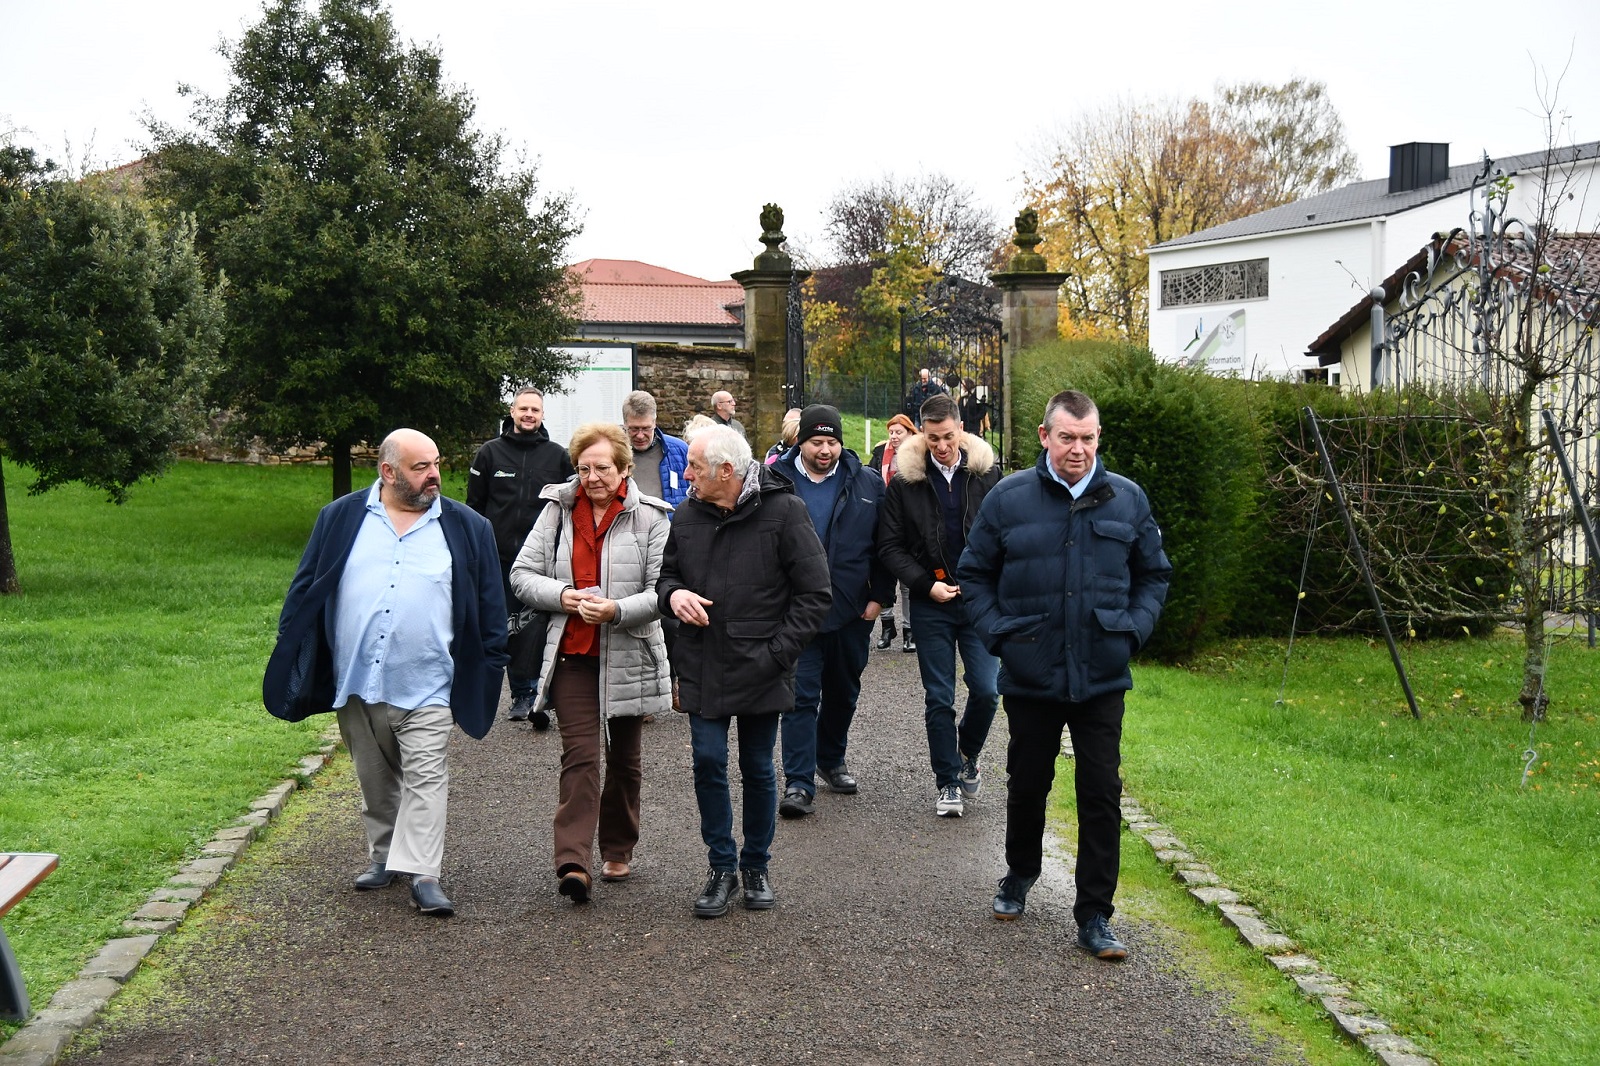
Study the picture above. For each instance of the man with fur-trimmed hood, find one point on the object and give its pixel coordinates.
(942, 477)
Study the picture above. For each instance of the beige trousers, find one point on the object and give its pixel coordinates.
(399, 758)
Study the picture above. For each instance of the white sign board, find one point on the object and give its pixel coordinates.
(594, 393)
(1213, 339)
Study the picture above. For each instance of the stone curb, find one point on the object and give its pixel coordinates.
(79, 1002)
(1356, 1020)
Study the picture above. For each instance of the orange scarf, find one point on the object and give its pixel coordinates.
(579, 638)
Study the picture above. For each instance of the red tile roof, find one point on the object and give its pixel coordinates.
(626, 290)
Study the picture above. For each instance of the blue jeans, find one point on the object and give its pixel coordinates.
(708, 739)
(942, 628)
(827, 683)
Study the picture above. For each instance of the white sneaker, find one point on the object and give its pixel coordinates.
(950, 804)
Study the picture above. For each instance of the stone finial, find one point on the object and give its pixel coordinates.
(1026, 240)
(772, 236)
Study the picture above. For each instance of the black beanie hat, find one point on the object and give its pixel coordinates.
(820, 420)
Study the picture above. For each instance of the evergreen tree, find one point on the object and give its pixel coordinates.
(108, 330)
(385, 268)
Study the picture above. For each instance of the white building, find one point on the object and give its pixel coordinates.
(1248, 297)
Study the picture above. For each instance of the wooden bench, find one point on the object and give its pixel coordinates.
(19, 873)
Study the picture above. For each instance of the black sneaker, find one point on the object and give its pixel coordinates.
(757, 890)
(796, 802)
(1012, 899)
(713, 899)
(971, 779)
(521, 707)
(1095, 937)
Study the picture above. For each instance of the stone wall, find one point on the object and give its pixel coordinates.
(682, 380)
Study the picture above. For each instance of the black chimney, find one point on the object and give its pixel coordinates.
(1414, 165)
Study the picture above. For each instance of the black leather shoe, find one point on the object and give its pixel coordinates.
(757, 890)
(886, 641)
(713, 901)
(429, 898)
(908, 644)
(840, 780)
(1095, 937)
(796, 803)
(1012, 899)
(377, 876)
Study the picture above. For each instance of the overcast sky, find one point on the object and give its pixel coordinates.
(672, 123)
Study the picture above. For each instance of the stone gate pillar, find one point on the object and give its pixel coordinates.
(1028, 314)
(766, 330)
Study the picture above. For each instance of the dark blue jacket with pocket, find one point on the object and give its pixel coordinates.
(1064, 591)
(858, 574)
(299, 679)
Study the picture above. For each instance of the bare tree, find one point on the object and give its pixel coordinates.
(1295, 131)
(958, 235)
(1137, 173)
(1505, 312)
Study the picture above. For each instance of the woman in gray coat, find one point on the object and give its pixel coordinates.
(592, 561)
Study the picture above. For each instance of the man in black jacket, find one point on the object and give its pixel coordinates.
(747, 577)
(503, 485)
(842, 498)
(942, 476)
(1065, 577)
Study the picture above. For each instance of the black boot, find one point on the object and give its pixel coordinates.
(885, 641)
(909, 645)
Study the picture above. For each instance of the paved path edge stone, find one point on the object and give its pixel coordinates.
(1355, 1020)
(79, 1002)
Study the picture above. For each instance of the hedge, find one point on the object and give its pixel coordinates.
(1214, 456)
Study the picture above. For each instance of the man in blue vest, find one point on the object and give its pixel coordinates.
(1065, 576)
(659, 459)
(842, 498)
(395, 621)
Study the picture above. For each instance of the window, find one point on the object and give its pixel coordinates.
(1215, 283)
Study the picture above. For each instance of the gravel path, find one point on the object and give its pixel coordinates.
(881, 948)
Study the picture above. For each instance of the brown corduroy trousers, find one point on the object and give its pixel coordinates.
(584, 805)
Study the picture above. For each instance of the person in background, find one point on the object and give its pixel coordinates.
(924, 390)
(503, 484)
(1064, 577)
(786, 439)
(395, 622)
(942, 476)
(659, 459)
(722, 408)
(592, 561)
(842, 498)
(695, 424)
(974, 406)
(746, 576)
(883, 456)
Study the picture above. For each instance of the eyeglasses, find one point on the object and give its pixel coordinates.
(603, 470)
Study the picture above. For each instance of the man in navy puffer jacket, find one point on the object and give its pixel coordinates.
(1065, 577)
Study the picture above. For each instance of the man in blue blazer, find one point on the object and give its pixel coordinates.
(396, 621)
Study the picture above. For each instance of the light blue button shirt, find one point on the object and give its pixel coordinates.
(1083, 482)
(392, 624)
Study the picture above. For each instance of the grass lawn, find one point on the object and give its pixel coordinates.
(132, 724)
(1404, 854)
